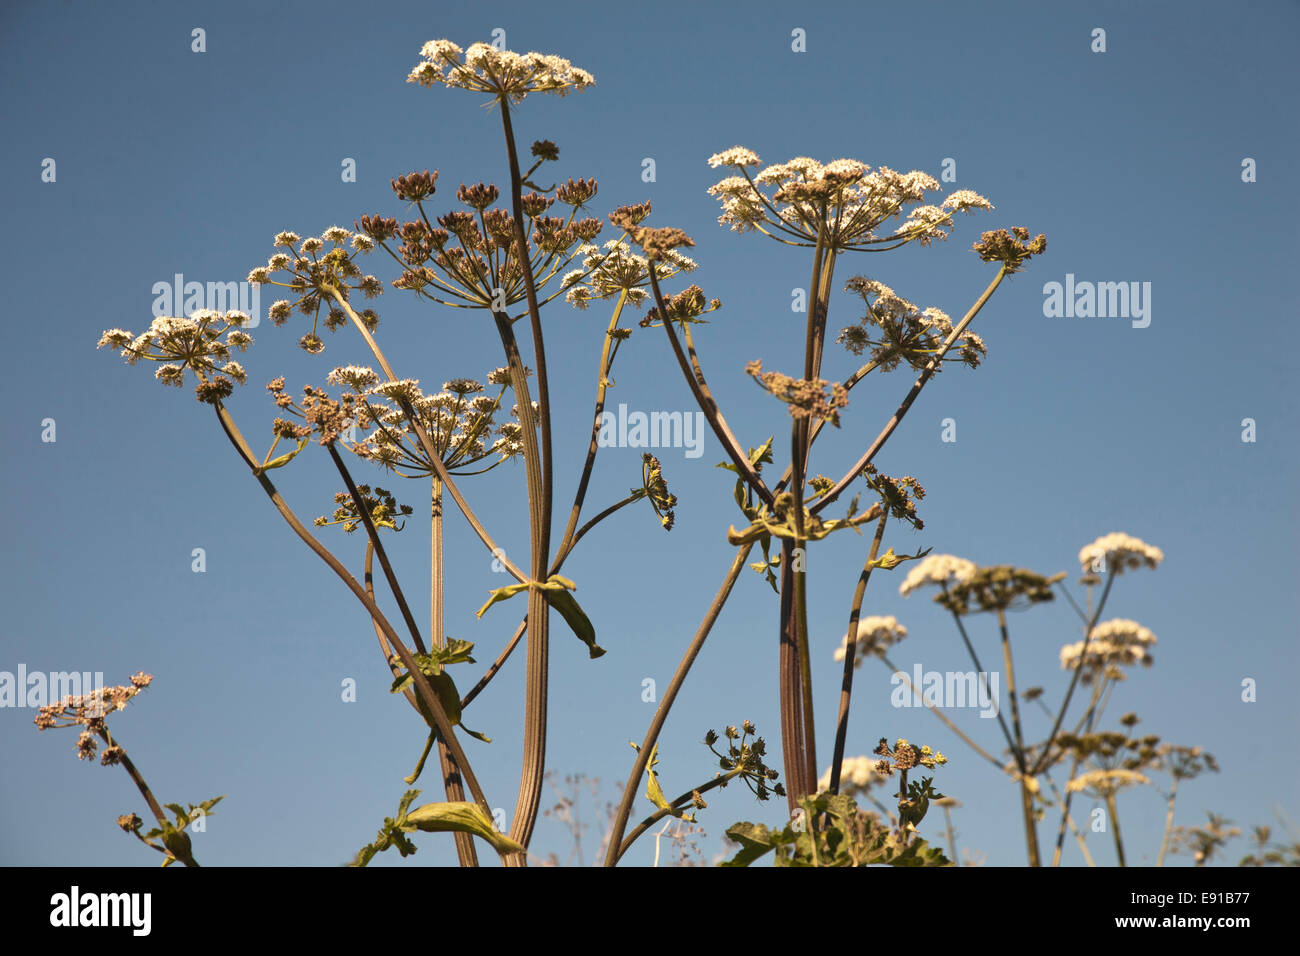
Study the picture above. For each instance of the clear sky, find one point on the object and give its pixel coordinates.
(170, 161)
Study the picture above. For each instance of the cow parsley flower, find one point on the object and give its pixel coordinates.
(485, 69)
(875, 635)
(1119, 552)
(937, 569)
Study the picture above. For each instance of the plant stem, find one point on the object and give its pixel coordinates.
(718, 781)
(704, 398)
(423, 690)
(1114, 822)
(1026, 795)
(593, 445)
(850, 656)
(920, 383)
(1169, 823)
(380, 552)
(538, 465)
(666, 703)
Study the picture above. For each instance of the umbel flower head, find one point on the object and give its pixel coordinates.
(88, 711)
(844, 201)
(1105, 783)
(875, 636)
(857, 776)
(317, 269)
(1114, 644)
(897, 331)
(192, 343)
(460, 421)
(1119, 552)
(1013, 248)
(899, 495)
(904, 756)
(998, 588)
(502, 73)
(745, 755)
(468, 258)
(381, 505)
(816, 398)
(656, 490)
(937, 569)
(614, 270)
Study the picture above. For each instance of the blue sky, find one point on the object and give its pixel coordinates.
(170, 161)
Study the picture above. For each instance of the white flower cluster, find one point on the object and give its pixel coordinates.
(459, 422)
(618, 270)
(736, 156)
(907, 333)
(1118, 641)
(875, 634)
(356, 376)
(850, 198)
(937, 569)
(1119, 552)
(186, 343)
(856, 773)
(486, 69)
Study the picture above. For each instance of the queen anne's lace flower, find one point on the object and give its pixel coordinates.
(903, 332)
(1119, 552)
(1114, 643)
(736, 156)
(1104, 783)
(875, 635)
(193, 343)
(844, 201)
(486, 69)
(616, 271)
(856, 774)
(937, 569)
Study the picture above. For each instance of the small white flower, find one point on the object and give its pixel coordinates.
(1119, 552)
(875, 634)
(736, 156)
(937, 569)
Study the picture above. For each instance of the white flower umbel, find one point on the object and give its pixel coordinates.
(485, 69)
(937, 569)
(1119, 552)
(875, 634)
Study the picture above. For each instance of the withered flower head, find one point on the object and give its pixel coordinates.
(534, 204)
(631, 215)
(576, 191)
(656, 491)
(416, 186)
(998, 588)
(479, 196)
(806, 398)
(1013, 248)
(377, 227)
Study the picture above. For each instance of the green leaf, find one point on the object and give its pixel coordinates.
(461, 817)
(178, 845)
(755, 842)
(653, 792)
(502, 594)
(762, 455)
(577, 619)
(556, 591)
(282, 460)
(888, 561)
